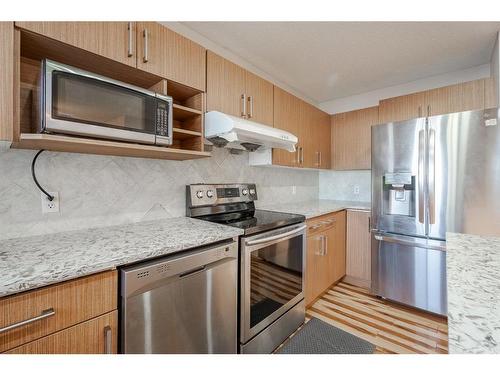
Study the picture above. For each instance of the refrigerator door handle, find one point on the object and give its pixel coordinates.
(421, 175)
(431, 176)
(412, 241)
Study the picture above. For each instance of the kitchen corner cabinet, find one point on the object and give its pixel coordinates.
(114, 40)
(167, 54)
(465, 96)
(351, 138)
(77, 316)
(326, 253)
(238, 92)
(358, 253)
(309, 124)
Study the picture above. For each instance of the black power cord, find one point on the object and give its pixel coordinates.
(49, 197)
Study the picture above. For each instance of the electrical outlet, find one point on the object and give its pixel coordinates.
(355, 190)
(294, 190)
(50, 206)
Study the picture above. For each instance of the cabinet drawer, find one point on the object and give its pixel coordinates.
(322, 223)
(95, 336)
(57, 307)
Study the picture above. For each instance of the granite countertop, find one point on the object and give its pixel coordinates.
(317, 207)
(473, 273)
(31, 262)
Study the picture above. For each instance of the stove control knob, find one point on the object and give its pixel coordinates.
(252, 191)
(244, 191)
(210, 193)
(199, 194)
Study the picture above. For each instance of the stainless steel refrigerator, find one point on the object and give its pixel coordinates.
(430, 176)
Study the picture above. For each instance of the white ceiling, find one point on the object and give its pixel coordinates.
(329, 60)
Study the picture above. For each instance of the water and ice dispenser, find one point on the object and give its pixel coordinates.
(399, 194)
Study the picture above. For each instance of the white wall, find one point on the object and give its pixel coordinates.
(97, 191)
(371, 98)
(339, 185)
(495, 67)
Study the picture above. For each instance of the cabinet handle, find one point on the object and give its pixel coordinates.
(129, 28)
(428, 111)
(244, 106)
(419, 111)
(108, 340)
(325, 245)
(320, 159)
(297, 151)
(301, 155)
(250, 106)
(146, 49)
(44, 315)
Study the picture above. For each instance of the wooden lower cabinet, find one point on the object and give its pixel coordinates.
(326, 252)
(52, 310)
(95, 336)
(358, 253)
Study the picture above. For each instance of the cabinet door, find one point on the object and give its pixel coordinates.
(336, 250)
(317, 277)
(259, 99)
(167, 54)
(402, 108)
(358, 257)
(95, 336)
(351, 138)
(308, 136)
(455, 98)
(287, 110)
(114, 40)
(324, 140)
(490, 93)
(7, 80)
(225, 85)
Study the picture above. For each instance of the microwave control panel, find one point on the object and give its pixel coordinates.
(162, 119)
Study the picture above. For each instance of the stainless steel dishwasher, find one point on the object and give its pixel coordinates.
(185, 303)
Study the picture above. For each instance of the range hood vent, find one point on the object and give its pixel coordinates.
(238, 133)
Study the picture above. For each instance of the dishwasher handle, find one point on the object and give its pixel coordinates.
(193, 271)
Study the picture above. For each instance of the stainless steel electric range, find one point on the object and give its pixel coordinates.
(271, 261)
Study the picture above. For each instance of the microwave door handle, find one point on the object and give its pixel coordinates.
(431, 176)
(421, 175)
(274, 238)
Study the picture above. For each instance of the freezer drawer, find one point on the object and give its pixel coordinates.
(411, 271)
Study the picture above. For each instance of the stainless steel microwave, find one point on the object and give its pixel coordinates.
(77, 102)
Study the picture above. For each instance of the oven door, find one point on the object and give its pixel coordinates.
(272, 269)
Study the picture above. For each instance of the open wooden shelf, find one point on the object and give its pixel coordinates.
(182, 134)
(100, 147)
(182, 113)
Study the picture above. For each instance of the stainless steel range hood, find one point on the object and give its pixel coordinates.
(235, 132)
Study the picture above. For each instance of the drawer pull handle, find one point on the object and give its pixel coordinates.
(44, 315)
(108, 340)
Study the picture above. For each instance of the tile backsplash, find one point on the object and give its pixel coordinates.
(105, 190)
(341, 185)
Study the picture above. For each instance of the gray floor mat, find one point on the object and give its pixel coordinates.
(318, 337)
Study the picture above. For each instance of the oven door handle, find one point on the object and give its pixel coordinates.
(274, 238)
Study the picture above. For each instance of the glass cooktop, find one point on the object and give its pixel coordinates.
(256, 221)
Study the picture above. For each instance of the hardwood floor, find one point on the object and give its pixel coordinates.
(392, 328)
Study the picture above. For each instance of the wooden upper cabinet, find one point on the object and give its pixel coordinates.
(238, 92)
(402, 108)
(7, 80)
(351, 138)
(287, 109)
(490, 93)
(324, 140)
(455, 98)
(314, 137)
(259, 94)
(465, 96)
(114, 40)
(169, 55)
(225, 85)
